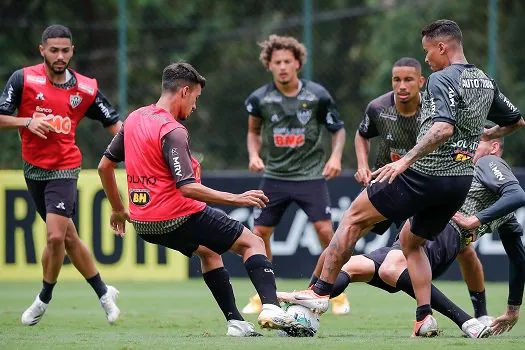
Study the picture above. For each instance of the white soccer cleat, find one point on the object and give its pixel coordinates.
(426, 328)
(109, 303)
(475, 329)
(486, 320)
(273, 317)
(34, 313)
(307, 298)
(237, 328)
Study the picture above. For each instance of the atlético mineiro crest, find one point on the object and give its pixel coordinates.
(304, 115)
(75, 100)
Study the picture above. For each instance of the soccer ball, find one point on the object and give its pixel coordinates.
(304, 316)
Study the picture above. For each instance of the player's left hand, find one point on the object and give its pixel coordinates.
(485, 136)
(466, 222)
(505, 322)
(118, 222)
(332, 168)
(390, 171)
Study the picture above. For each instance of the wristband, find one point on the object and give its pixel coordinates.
(28, 122)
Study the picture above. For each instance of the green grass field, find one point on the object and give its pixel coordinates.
(184, 316)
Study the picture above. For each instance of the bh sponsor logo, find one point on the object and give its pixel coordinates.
(139, 197)
(290, 138)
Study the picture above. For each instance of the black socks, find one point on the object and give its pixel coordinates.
(218, 281)
(342, 281)
(260, 270)
(322, 288)
(479, 302)
(438, 301)
(98, 285)
(47, 291)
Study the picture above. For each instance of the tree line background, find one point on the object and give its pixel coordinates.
(355, 43)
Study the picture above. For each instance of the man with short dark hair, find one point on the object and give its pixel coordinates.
(51, 100)
(171, 210)
(394, 119)
(430, 182)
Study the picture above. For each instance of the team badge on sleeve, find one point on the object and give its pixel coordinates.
(75, 100)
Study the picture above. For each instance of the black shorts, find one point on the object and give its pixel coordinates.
(54, 196)
(429, 201)
(383, 226)
(310, 195)
(211, 228)
(441, 252)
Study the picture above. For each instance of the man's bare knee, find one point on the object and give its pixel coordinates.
(208, 255)
(55, 240)
(254, 241)
(389, 273)
(248, 243)
(72, 239)
(359, 268)
(264, 232)
(409, 241)
(467, 253)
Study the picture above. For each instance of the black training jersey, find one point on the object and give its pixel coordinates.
(397, 133)
(292, 129)
(465, 97)
(492, 174)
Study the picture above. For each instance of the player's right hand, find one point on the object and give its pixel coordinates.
(39, 126)
(507, 321)
(118, 222)
(252, 198)
(363, 176)
(256, 164)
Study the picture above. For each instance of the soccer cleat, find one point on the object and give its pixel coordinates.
(340, 305)
(273, 317)
(473, 328)
(486, 320)
(254, 306)
(34, 313)
(108, 303)
(426, 328)
(237, 328)
(307, 298)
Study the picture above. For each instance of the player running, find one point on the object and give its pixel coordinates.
(46, 103)
(167, 201)
(287, 116)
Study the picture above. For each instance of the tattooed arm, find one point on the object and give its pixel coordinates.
(437, 135)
